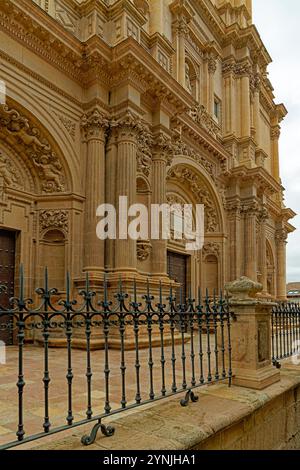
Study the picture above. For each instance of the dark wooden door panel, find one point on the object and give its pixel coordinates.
(7, 275)
(177, 270)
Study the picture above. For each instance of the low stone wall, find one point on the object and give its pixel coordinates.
(224, 418)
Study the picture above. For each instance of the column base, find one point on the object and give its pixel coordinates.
(256, 379)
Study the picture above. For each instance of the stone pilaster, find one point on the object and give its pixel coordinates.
(263, 217)
(128, 130)
(94, 126)
(251, 336)
(162, 153)
(230, 98)
(110, 192)
(256, 107)
(281, 242)
(234, 255)
(250, 239)
(275, 135)
(211, 67)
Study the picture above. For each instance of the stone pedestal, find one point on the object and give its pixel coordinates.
(251, 336)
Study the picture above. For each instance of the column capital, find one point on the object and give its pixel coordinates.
(250, 208)
(275, 132)
(212, 65)
(94, 124)
(129, 126)
(281, 236)
(233, 208)
(162, 149)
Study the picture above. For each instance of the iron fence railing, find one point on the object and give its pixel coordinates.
(187, 346)
(285, 331)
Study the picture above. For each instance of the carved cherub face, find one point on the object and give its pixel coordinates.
(44, 160)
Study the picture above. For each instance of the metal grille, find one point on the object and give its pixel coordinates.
(285, 331)
(188, 345)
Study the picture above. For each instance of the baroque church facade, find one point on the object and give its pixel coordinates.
(157, 100)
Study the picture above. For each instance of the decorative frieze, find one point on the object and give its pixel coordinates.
(203, 118)
(54, 219)
(211, 248)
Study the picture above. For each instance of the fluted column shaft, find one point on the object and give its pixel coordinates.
(212, 67)
(281, 241)
(234, 217)
(111, 178)
(275, 134)
(159, 247)
(126, 186)
(94, 126)
(245, 106)
(256, 115)
(263, 252)
(230, 104)
(250, 244)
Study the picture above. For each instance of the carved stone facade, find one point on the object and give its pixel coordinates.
(156, 101)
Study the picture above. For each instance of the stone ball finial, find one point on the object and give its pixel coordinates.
(243, 289)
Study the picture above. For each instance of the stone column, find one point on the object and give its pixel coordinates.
(128, 130)
(275, 134)
(111, 179)
(256, 108)
(160, 159)
(245, 106)
(263, 250)
(250, 212)
(182, 15)
(281, 241)
(212, 67)
(234, 218)
(230, 98)
(94, 125)
(251, 336)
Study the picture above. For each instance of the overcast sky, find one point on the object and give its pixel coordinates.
(278, 22)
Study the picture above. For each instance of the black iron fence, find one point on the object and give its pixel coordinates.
(285, 331)
(186, 345)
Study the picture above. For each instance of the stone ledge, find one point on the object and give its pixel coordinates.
(223, 418)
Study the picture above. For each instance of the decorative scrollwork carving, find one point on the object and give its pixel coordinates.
(37, 149)
(143, 250)
(201, 117)
(186, 176)
(54, 219)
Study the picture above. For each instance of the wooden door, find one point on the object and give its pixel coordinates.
(177, 270)
(7, 277)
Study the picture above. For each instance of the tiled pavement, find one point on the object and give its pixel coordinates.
(34, 389)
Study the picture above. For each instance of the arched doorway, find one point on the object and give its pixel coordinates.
(187, 184)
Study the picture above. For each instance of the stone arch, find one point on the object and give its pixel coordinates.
(188, 181)
(198, 185)
(35, 146)
(191, 77)
(53, 256)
